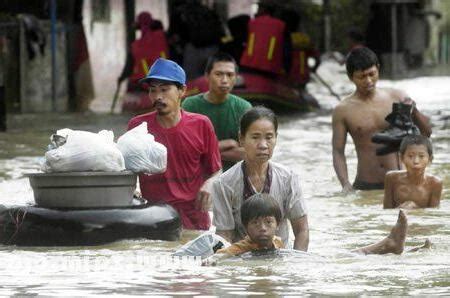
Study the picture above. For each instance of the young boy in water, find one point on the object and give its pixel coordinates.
(413, 188)
(260, 215)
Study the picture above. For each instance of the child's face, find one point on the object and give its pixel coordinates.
(262, 230)
(416, 158)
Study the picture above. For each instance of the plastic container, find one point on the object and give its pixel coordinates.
(83, 189)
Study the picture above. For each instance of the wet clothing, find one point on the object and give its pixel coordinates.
(246, 245)
(264, 49)
(225, 117)
(192, 155)
(228, 196)
(362, 185)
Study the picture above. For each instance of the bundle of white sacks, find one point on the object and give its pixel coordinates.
(80, 151)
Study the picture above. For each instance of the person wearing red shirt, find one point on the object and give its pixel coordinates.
(193, 157)
(264, 48)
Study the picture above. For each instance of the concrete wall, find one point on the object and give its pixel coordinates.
(236, 7)
(36, 75)
(106, 44)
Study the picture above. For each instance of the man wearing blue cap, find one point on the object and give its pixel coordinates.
(193, 156)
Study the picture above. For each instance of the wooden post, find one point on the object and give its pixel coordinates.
(393, 40)
(326, 25)
(130, 12)
(2, 108)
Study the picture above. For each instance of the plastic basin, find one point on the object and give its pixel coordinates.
(83, 189)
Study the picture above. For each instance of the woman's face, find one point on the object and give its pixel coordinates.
(259, 141)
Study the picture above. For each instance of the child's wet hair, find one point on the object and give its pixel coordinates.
(255, 114)
(259, 205)
(416, 140)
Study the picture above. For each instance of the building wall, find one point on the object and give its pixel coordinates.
(107, 43)
(439, 32)
(36, 74)
(237, 7)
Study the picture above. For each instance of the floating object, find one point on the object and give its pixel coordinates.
(36, 226)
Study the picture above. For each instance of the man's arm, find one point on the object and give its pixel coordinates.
(339, 140)
(422, 121)
(203, 201)
(230, 150)
(301, 233)
(388, 200)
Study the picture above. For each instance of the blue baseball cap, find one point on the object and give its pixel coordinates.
(166, 70)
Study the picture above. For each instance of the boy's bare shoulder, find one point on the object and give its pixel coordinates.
(434, 180)
(344, 106)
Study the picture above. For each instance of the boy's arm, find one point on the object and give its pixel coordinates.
(227, 234)
(301, 233)
(436, 193)
(338, 143)
(388, 201)
(214, 259)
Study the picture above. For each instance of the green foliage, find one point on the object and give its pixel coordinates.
(344, 15)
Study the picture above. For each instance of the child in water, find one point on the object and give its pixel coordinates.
(413, 188)
(261, 216)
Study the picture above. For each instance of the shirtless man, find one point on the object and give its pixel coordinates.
(413, 188)
(361, 115)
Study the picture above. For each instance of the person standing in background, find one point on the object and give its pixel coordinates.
(222, 108)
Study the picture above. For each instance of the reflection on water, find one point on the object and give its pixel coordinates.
(338, 223)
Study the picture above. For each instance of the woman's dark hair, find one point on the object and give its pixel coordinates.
(416, 140)
(260, 205)
(219, 57)
(254, 114)
(360, 59)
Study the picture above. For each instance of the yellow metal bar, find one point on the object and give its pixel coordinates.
(144, 66)
(251, 44)
(272, 43)
(302, 62)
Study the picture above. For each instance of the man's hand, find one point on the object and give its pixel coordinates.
(347, 188)
(409, 101)
(203, 200)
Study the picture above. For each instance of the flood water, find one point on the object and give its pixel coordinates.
(338, 223)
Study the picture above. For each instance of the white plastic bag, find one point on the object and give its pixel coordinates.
(84, 151)
(141, 152)
(203, 246)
